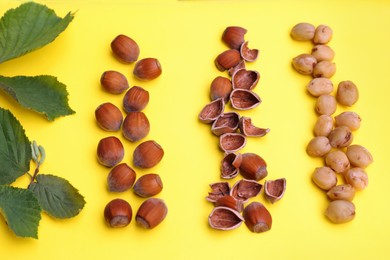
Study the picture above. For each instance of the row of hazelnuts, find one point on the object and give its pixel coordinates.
(135, 127)
(229, 210)
(332, 134)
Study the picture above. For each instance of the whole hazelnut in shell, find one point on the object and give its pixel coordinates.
(110, 151)
(147, 154)
(147, 69)
(125, 48)
(118, 213)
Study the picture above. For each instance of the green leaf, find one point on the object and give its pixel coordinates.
(57, 196)
(29, 27)
(43, 94)
(21, 211)
(15, 148)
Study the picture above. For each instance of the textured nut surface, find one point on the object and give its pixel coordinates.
(114, 82)
(233, 36)
(136, 126)
(220, 88)
(148, 185)
(248, 129)
(147, 154)
(243, 99)
(151, 213)
(232, 142)
(247, 53)
(303, 32)
(359, 156)
(326, 105)
(230, 165)
(347, 93)
(245, 189)
(212, 111)
(147, 69)
(340, 137)
(226, 123)
(320, 86)
(121, 178)
(118, 213)
(245, 79)
(324, 177)
(125, 48)
(304, 63)
(253, 167)
(108, 117)
(230, 202)
(275, 189)
(227, 59)
(218, 190)
(110, 151)
(340, 211)
(135, 99)
(257, 217)
(324, 69)
(225, 218)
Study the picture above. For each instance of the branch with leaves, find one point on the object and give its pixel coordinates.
(24, 29)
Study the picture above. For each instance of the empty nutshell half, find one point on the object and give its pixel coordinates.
(274, 189)
(248, 129)
(212, 111)
(247, 53)
(225, 123)
(245, 189)
(230, 165)
(245, 79)
(230, 202)
(243, 99)
(225, 218)
(218, 190)
(232, 142)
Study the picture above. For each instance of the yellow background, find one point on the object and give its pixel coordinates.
(186, 37)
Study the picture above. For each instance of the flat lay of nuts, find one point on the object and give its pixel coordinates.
(118, 213)
(344, 170)
(229, 97)
(135, 126)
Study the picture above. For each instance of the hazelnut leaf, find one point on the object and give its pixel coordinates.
(15, 149)
(29, 27)
(57, 196)
(43, 94)
(21, 210)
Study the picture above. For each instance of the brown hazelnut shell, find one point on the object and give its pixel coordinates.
(257, 217)
(274, 189)
(230, 165)
(110, 151)
(239, 66)
(247, 53)
(245, 189)
(225, 123)
(151, 213)
(114, 82)
(233, 36)
(135, 99)
(218, 190)
(147, 69)
(148, 185)
(108, 117)
(232, 142)
(224, 218)
(245, 79)
(118, 213)
(243, 99)
(121, 178)
(253, 167)
(220, 88)
(230, 202)
(136, 126)
(125, 48)
(227, 59)
(212, 111)
(147, 154)
(248, 129)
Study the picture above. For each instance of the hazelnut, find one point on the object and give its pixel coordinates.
(118, 213)
(227, 59)
(148, 185)
(121, 178)
(135, 126)
(220, 88)
(224, 218)
(244, 99)
(147, 154)
(340, 211)
(303, 32)
(110, 151)
(125, 48)
(108, 117)
(151, 213)
(253, 167)
(135, 99)
(114, 82)
(233, 36)
(304, 63)
(147, 69)
(257, 217)
(230, 202)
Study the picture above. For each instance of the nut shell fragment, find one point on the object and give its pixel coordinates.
(232, 142)
(245, 79)
(226, 123)
(274, 189)
(248, 129)
(230, 202)
(212, 111)
(245, 189)
(218, 190)
(247, 53)
(243, 99)
(224, 218)
(230, 165)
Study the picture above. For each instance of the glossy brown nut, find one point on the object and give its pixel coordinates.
(147, 69)
(151, 213)
(110, 151)
(274, 189)
(230, 165)
(304, 63)
(225, 123)
(118, 213)
(148, 185)
(245, 189)
(224, 218)
(108, 117)
(220, 88)
(253, 167)
(245, 79)
(121, 178)
(239, 66)
(233, 36)
(114, 82)
(147, 154)
(135, 99)
(230, 202)
(212, 111)
(125, 48)
(218, 190)
(248, 129)
(257, 217)
(136, 126)
(227, 59)
(247, 53)
(232, 142)
(243, 99)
